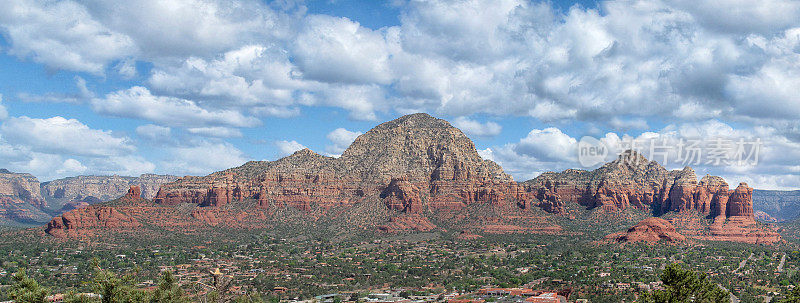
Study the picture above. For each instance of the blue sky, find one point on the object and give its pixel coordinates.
(95, 87)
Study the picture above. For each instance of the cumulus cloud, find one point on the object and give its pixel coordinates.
(138, 102)
(203, 157)
(59, 135)
(58, 147)
(218, 66)
(475, 128)
(338, 50)
(341, 139)
(186, 28)
(741, 16)
(288, 147)
(549, 144)
(61, 35)
(768, 164)
(684, 59)
(252, 75)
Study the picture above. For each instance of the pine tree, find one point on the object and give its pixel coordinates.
(683, 285)
(26, 290)
(168, 290)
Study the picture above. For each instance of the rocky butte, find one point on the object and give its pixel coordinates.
(420, 173)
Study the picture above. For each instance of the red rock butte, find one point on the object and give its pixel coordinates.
(649, 230)
(413, 169)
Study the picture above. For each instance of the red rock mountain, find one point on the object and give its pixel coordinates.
(413, 164)
(405, 173)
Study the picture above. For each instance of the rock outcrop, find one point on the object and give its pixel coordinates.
(85, 221)
(413, 164)
(632, 181)
(649, 230)
(764, 217)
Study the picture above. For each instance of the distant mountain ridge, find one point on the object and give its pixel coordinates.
(418, 173)
(783, 205)
(27, 201)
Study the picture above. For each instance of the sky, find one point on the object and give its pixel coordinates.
(189, 87)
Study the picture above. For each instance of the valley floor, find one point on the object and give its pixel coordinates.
(433, 266)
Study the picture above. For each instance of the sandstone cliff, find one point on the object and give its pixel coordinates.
(21, 185)
(20, 199)
(417, 172)
(632, 181)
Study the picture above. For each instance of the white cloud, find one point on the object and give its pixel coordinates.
(475, 128)
(184, 28)
(82, 95)
(288, 147)
(252, 75)
(216, 131)
(666, 59)
(337, 50)
(743, 16)
(127, 68)
(71, 167)
(61, 35)
(628, 124)
(58, 135)
(341, 139)
(486, 154)
(549, 144)
(138, 102)
(203, 158)
(58, 147)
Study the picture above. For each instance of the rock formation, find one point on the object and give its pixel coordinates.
(84, 221)
(649, 230)
(764, 217)
(413, 164)
(417, 170)
(631, 181)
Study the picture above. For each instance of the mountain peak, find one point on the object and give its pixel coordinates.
(418, 146)
(418, 120)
